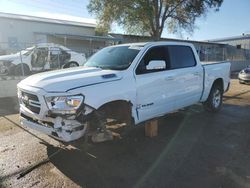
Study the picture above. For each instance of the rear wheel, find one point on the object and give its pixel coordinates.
(214, 101)
(71, 64)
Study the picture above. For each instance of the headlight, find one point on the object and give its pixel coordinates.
(19, 93)
(64, 104)
(242, 72)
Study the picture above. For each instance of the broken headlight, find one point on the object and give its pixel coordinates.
(64, 104)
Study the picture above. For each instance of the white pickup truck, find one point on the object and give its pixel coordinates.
(130, 83)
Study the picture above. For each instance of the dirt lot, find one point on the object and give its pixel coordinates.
(194, 149)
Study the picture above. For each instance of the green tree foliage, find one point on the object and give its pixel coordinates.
(150, 16)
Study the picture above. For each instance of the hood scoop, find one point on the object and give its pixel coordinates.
(107, 76)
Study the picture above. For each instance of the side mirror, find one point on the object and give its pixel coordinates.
(156, 65)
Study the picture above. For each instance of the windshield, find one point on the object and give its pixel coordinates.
(26, 52)
(115, 58)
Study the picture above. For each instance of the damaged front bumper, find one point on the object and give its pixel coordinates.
(34, 114)
(61, 129)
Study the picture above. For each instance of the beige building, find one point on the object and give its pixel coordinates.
(21, 31)
(240, 42)
(239, 46)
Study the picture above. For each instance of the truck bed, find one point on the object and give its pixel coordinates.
(213, 62)
(213, 70)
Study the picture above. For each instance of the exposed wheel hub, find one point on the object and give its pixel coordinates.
(216, 98)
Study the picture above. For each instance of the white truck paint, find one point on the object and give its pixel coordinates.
(52, 56)
(147, 92)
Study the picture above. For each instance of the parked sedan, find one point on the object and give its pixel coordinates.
(244, 76)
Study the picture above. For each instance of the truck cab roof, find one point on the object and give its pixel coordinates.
(43, 45)
(143, 44)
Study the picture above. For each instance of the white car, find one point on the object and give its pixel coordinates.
(41, 57)
(244, 76)
(131, 83)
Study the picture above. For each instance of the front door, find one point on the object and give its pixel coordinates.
(55, 54)
(39, 58)
(154, 87)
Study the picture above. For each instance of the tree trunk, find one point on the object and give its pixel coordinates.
(156, 35)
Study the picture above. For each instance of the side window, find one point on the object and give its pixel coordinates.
(155, 53)
(39, 57)
(55, 54)
(181, 57)
(64, 56)
(55, 51)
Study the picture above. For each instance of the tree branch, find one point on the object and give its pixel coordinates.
(173, 9)
(167, 14)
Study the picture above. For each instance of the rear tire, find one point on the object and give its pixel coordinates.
(214, 101)
(71, 64)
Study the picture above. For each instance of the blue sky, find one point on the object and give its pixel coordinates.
(232, 19)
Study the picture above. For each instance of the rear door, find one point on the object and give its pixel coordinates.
(55, 54)
(64, 57)
(188, 75)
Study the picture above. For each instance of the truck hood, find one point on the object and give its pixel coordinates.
(71, 78)
(10, 57)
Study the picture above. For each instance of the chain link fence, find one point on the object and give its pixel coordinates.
(226, 53)
(26, 59)
(235, 54)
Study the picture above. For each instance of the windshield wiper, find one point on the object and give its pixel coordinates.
(95, 67)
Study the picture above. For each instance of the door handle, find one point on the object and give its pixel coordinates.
(169, 78)
(196, 74)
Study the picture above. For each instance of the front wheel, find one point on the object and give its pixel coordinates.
(241, 82)
(71, 64)
(4, 70)
(22, 70)
(214, 101)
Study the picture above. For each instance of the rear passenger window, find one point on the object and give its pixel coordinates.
(181, 57)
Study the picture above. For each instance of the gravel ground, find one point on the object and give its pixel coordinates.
(193, 149)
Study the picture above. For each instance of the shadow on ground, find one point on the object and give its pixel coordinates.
(119, 163)
(8, 106)
(190, 148)
(133, 160)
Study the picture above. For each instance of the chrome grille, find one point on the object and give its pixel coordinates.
(31, 102)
